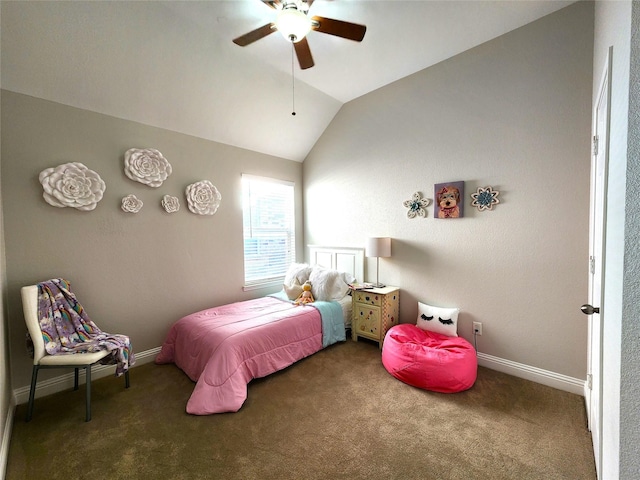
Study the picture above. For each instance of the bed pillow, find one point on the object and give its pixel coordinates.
(292, 291)
(348, 278)
(438, 319)
(327, 285)
(297, 273)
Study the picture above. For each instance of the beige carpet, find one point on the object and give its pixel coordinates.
(335, 415)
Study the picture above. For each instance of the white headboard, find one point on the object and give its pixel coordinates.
(343, 259)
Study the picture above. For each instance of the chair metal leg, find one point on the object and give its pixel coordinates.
(34, 378)
(32, 392)
(88, 386)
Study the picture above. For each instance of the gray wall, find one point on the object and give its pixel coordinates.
(630, 374)
(134, 273)
(629, 419)
(514, 114)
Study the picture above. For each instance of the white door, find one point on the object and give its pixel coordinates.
(594, 308)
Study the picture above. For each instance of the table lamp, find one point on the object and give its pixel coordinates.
(378, 247)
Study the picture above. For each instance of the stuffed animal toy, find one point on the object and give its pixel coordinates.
(306, 296)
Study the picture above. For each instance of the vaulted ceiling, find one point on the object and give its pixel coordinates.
(173, 64)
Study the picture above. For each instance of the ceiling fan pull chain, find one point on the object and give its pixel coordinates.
(293, 84)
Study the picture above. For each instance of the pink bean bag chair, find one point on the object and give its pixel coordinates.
(429, 360)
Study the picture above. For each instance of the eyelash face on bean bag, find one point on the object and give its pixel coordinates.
(438, 319)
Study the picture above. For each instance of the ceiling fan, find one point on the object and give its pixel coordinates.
(293, 23)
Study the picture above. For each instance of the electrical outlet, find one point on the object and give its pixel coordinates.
(477, 328)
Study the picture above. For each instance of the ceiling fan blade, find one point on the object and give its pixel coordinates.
(303, 52)
(254, 35)
(351, 31)
(272, 3)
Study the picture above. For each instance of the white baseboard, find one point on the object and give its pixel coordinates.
(520, 370)
(6, 439)
(64, 382)
(538, 375)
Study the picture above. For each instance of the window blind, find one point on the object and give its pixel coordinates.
(268, 229)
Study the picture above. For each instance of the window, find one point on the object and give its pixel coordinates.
(269, 229)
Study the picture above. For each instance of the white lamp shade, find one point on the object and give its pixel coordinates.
(293, 24)
(378, 247)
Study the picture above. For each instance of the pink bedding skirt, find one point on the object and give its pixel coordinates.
(224, 348)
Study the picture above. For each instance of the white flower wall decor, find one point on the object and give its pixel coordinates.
(147, 166)
(72, 185)
(485, 198)
(203, 198)
(131, 204)
(417, 205)
(170, 204)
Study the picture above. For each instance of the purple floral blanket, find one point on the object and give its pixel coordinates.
(67, 328)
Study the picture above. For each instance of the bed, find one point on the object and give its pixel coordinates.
(223, 348)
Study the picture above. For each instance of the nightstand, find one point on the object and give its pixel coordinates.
(375, 310)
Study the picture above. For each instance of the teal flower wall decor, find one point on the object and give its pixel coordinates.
(417, 205)
(485, 198)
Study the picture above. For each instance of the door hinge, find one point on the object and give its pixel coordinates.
(590, 381)
(592, 264)
(595, 145)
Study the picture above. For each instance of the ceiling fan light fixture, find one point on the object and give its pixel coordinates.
(293, 24)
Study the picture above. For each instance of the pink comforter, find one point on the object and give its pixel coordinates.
(224, 348)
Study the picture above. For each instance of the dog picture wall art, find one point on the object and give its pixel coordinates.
(449, 200)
